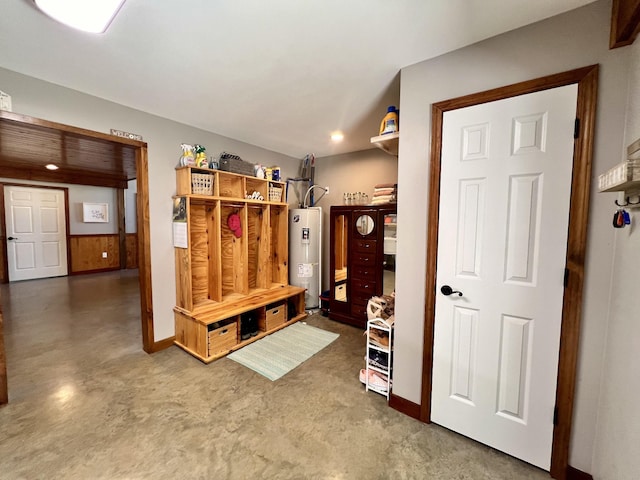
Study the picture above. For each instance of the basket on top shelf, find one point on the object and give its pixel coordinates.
(275, 193)
(202, 183)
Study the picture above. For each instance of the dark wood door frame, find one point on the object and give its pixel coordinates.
(144, 246)
(587, 80)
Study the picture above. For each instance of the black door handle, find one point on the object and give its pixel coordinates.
(447, 290)
(12, 238)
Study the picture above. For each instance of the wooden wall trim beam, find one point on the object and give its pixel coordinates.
(122, 234)
(71, 177)
(625, 22)
(144, 249)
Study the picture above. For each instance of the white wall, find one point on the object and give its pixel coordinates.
(618, 432)
(353, 172)
(572, 40)
(50, 102)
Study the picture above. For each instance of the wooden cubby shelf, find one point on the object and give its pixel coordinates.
(225, 275)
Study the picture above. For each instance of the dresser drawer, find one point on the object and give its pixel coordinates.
(364, 272)
(364, 259)
(365, 246)
(363, 287)
(359, 309)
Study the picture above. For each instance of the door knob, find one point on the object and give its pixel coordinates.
(447, 290)
(12, 238)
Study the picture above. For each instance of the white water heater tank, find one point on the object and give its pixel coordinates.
(305, 252)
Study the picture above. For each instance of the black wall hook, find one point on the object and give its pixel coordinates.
(627, 202)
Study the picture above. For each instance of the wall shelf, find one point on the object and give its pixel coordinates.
(625, 176)
(387, 142)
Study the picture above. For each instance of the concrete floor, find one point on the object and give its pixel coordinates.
(85, 402)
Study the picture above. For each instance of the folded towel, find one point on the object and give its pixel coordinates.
(386, 185)
(383, 191)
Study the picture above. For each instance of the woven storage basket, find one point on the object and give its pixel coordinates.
(275, 193)
(234, 164)
(202, 183)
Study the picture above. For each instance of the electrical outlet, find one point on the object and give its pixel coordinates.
(104, 254)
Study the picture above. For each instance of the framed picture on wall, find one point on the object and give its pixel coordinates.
(95, 212)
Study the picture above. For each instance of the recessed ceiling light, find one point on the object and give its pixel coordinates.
(89, 16)
(51, 166)
(337, 136)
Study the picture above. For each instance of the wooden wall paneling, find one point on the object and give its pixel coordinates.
(122, 231)
(87, 250)
(131, 246)
(625, 22)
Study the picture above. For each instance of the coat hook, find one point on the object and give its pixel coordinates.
(626, 200)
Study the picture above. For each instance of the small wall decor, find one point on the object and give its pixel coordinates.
(95, 212)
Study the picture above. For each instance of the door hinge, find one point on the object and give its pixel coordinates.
(555, 415)
(576, 128)
(566, 277)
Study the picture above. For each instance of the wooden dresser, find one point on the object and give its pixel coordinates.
(362, 255)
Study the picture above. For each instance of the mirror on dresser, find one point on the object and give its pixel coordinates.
(362, 262)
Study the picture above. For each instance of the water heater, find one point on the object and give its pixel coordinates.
(305, 251)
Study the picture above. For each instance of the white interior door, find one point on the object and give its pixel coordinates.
(36, 232)
(504, 211)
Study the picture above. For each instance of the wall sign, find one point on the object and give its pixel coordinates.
(130, 136)
(95, 212)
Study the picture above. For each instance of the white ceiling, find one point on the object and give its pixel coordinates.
(280, 74)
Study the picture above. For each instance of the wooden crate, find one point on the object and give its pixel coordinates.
(274, 317)
(223, 338)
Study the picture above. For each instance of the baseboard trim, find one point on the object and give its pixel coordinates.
(98, 270)
(162, 344)
(404, 406)
(575, 474)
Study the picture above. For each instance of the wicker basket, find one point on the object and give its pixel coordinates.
(229, 162)
(275, 193)
(202, 183)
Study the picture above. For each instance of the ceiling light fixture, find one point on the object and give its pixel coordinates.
(51, 166)
(89, 16)
(337, 136)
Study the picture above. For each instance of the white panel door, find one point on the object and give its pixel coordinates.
(504, 212)
(36, 232)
